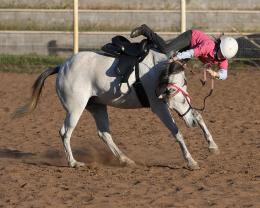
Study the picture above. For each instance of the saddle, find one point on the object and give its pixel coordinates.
(129, 55)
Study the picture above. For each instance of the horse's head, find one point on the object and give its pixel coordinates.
(172, 88)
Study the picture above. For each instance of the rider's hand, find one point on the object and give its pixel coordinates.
(212, 73)
(173, 58)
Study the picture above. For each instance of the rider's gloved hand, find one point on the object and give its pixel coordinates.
(213, 74)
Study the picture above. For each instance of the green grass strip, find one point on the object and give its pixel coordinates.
(31, 63)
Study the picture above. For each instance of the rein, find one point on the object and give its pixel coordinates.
(203, 82)
(185, 94)
(188, 97)
(178, 89)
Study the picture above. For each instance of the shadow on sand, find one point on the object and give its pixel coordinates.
(57, 158)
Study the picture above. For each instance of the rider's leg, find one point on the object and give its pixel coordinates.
(174, 45)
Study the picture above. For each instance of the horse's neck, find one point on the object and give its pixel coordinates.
(153, 64)
(150, 70)
(158, 57)
(177, 78)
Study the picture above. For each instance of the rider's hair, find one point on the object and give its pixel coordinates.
(217, 42)
(217, 39)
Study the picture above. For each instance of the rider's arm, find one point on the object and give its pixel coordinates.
(202, 49)
(223, 69)
(222, 74)
(185, 54)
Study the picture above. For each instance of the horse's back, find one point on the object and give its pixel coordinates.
(90, 62)
(85, 66)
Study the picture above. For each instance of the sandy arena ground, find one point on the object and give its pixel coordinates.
(34, 172)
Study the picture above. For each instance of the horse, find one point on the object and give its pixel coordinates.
(87, 81)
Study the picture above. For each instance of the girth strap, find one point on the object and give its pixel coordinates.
(139, 89)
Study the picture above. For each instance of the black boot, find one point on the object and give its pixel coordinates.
(151, 36)
(141, 30)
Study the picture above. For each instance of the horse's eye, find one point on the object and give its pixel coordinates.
(169, 91)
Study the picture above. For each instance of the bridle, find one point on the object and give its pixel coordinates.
(185, 94)
(178, 89)
(188, 97)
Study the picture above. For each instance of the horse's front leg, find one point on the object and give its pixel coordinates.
(213, 147)
(163, 113)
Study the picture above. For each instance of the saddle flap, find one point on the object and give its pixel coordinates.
(126, 66)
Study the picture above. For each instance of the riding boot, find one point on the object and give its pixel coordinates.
(180, 43)
(150, 35)
(141, 30)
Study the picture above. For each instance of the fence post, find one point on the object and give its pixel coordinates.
(76, 28)
(183, 16)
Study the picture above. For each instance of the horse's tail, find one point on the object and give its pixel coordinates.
(36, 92)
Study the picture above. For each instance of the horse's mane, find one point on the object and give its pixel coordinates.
(171, 68)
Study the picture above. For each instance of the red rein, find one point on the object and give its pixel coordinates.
(178, 89)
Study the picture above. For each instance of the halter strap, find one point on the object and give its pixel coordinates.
(185, 94)
(178, 89)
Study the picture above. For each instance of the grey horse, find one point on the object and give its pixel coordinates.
(88, 81)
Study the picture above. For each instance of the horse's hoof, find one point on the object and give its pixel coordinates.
(214, 151)
(76, 164)
(127, 162)
(193, 166)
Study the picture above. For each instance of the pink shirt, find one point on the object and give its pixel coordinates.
(203, 47)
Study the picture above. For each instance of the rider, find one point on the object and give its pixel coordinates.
(194, 43)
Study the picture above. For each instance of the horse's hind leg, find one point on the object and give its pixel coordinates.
(213, 147)
(99, 112)
(69, 125)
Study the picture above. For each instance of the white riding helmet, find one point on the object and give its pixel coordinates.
(228, 47)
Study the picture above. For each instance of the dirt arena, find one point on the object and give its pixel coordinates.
(34, 172)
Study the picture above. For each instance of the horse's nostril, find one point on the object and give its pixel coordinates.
(194, 123)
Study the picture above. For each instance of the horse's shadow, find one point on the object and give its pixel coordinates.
(56, 158)
(116, 83)
(50, 158)
(14, 154)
